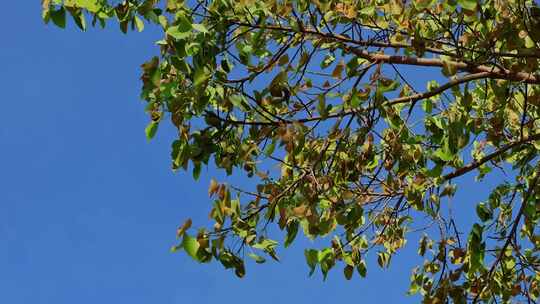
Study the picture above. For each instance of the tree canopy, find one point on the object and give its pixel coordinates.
(356, 120)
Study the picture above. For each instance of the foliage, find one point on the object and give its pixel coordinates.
(319, 102)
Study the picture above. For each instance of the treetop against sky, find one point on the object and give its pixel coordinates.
(356, 121)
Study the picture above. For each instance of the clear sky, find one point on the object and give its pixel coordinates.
(89, 207)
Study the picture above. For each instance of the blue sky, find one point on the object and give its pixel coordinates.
(89, 207)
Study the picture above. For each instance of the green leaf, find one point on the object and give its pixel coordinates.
(423, 245)
(124, 26)
(427, 105)
(362, 269)
(139, 23)
(327, 61)
(266, 244)
(422, 4)
(226, 65)
(270, 148)
(368, 10)
(383, 259)
(283, 60)
(387, 85)
(292, 230)
(483, 212)
(445, 153)
(326, 259)
(324, 254)
(59, 17)
(155, 77)
(200, 28)
(197, 171)
(163, 21)
(78, 17)
(476, 232)
(436, 171)
(273, 255)
(191, 246)
(177, 33)
(348, 272)
(201, 76)
(184, 24)
(311, 259)
(476, 248)
(258, 259)
(239, 101)
(240, 269)
(469, 5)
(151, 130)
(355, 99)
(90, 5)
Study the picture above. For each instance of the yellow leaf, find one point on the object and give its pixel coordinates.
(300, 210)
(182, 230)
(449, 68)
(213, 188)
(45, 4)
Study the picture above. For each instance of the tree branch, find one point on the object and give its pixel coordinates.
(478, 163)
(395, 101)
(496, 73)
